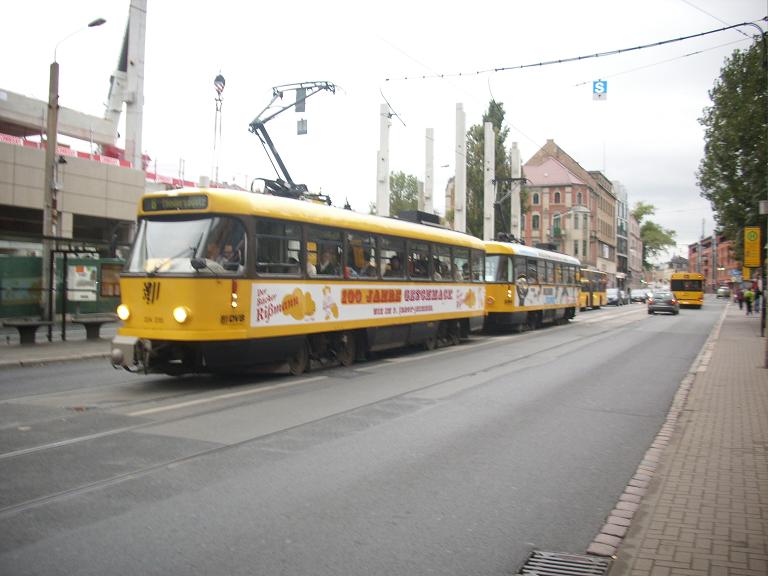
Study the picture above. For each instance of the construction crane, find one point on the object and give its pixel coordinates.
(284, 185)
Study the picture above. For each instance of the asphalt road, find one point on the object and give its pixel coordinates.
(459, 461)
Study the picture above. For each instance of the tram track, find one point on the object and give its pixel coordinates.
(253, 397)
(260, 388)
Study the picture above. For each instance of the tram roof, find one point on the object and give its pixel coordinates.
(494, 247)
(224, 201)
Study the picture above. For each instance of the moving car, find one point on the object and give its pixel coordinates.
(724, 292)
(639, 295)
(663, 301)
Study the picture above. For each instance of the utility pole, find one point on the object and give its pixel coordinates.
(460, 182)
(50, 189)
(425, 202)
(489, 176)
(382, 178)
(515, 208)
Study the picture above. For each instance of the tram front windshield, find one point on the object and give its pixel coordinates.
(169, 246)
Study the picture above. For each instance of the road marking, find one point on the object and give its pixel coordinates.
(224, 396)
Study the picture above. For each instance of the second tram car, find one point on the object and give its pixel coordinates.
(222, 280)
(528, 287)
(594, 284)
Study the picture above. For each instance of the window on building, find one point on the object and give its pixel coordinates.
(557, 197)
(579, 198)
(535, 222)
(535, 198)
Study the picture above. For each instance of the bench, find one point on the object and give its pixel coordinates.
(93, 322)
(27, 328)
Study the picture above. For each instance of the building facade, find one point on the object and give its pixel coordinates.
(713, 257)
(570, 209)
(623, 275)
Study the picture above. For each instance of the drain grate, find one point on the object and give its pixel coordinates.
(557, 564)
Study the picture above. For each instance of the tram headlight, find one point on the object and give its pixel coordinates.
(123, 312)
(181, 314)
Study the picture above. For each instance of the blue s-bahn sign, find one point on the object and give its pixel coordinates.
(600, 90)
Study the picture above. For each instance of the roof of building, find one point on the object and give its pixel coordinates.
(551, 173)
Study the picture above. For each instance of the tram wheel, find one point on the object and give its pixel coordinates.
(430, 343)
(346, 349)
(298, 362)
(454, 333)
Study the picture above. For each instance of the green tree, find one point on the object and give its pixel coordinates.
(475, 172)
(403, 193)
(732, 175)
(655, 238)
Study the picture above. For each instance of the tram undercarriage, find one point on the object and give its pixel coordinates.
(298, 352)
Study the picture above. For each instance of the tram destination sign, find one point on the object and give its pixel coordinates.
(166, 203)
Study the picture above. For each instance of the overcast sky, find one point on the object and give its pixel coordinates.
(645, 135)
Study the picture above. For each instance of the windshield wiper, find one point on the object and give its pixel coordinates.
(193, 249)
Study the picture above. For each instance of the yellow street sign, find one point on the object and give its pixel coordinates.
(752, 246)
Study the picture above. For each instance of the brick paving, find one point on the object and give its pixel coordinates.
(705, 512)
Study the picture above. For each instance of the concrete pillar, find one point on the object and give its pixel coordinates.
(460, 196)
(425, 199)
(382, 167)
(489, 175)
(134, 95)
(516, 211)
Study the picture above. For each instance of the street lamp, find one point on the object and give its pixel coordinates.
(50, 185)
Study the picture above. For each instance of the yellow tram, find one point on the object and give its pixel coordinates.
(222, 280)
(594, 284)
(528, 287)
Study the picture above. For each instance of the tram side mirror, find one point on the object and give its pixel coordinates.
(198, 263)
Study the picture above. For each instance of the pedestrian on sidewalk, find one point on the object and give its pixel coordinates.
(758, 293)
(749, 297)
(740, 298)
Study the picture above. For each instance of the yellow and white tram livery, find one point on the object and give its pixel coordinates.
(223, 280)
(528, 287)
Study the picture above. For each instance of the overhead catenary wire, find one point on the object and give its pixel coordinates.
(582, 57)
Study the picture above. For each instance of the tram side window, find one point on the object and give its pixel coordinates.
(496, 268)
(478, 265)
(392, 257)
(277, 247)
(550, 272)
(542, 266)
(533, 271)
(361, 256)
(324, 251)
(418, 260)
(442, 262)
(520, 267)
(558, 273)
(461, 264)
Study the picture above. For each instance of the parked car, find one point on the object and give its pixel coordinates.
(724, 292)
(624, 296)
(663, 301)
(613, 296)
